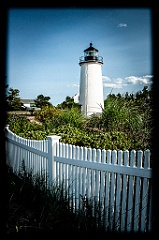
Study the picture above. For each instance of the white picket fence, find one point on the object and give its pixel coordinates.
(118, 181)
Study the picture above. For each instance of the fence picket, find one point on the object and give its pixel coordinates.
(88, 183)
(124, 193)
(112, 191)
(118, 193)
(137, 194)
(102, 185)
(69, 171)
(145, 193)
(73, 181)
(84, 172)
(16, 156)
(107, 188)
(130, 192)
(64, 171)
(60, 173)
(120, 187)
(80, 179)
(77, 194)
(150, 210)
(97, 179)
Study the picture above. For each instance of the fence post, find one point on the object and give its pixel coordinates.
(6, 143)
(52, 141)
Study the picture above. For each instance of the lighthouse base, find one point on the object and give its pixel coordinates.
(87, 111)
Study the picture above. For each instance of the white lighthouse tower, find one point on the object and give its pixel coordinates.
(91, 87)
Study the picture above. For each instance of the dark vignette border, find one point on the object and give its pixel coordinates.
(154, 6)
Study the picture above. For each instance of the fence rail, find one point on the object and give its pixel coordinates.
(117, 181)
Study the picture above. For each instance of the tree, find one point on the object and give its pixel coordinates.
(42, 101)
(144, 98)
(13, 100)
(68, 103)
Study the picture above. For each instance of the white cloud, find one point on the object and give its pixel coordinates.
(146, 80)
(76, 85)
(106, 79)
(112, 85)
(119, 80)
(117, 83)
(121, 25)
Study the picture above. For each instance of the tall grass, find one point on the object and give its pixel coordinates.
(34, 208)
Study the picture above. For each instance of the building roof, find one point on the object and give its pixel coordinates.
(27, 101)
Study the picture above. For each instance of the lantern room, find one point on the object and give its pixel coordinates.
(91, 54)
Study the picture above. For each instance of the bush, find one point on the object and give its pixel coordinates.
(48, 114)
(122, 125)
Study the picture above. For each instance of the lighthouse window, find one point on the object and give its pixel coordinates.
(91, 53)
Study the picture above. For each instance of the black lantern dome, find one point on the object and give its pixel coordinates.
(91, 54)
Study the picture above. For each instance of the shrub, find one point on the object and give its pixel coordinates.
(122, 125)
(48, 114)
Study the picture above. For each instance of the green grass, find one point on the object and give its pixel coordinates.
(33, 208)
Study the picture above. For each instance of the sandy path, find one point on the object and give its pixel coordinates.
(32, 119)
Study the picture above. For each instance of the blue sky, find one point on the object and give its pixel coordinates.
(44, 47)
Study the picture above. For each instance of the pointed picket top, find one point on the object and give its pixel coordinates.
(147, 159)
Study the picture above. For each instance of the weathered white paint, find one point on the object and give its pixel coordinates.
(91, 88)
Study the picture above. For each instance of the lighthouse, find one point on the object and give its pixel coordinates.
(91, 87)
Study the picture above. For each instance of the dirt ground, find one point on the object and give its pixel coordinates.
(24, 113)
(27, 114)
(32, 119)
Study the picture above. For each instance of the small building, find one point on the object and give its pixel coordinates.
(29, 104)
(76, 98)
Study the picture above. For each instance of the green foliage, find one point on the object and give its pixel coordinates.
(24, 128)
(132, 114)
(94, 122)
(13, 100)
(42, 101)
(72, 117)
(121, 115)
(48, 114)
(18, 124)
(126, 123)
(68, 104)
(54, 117)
